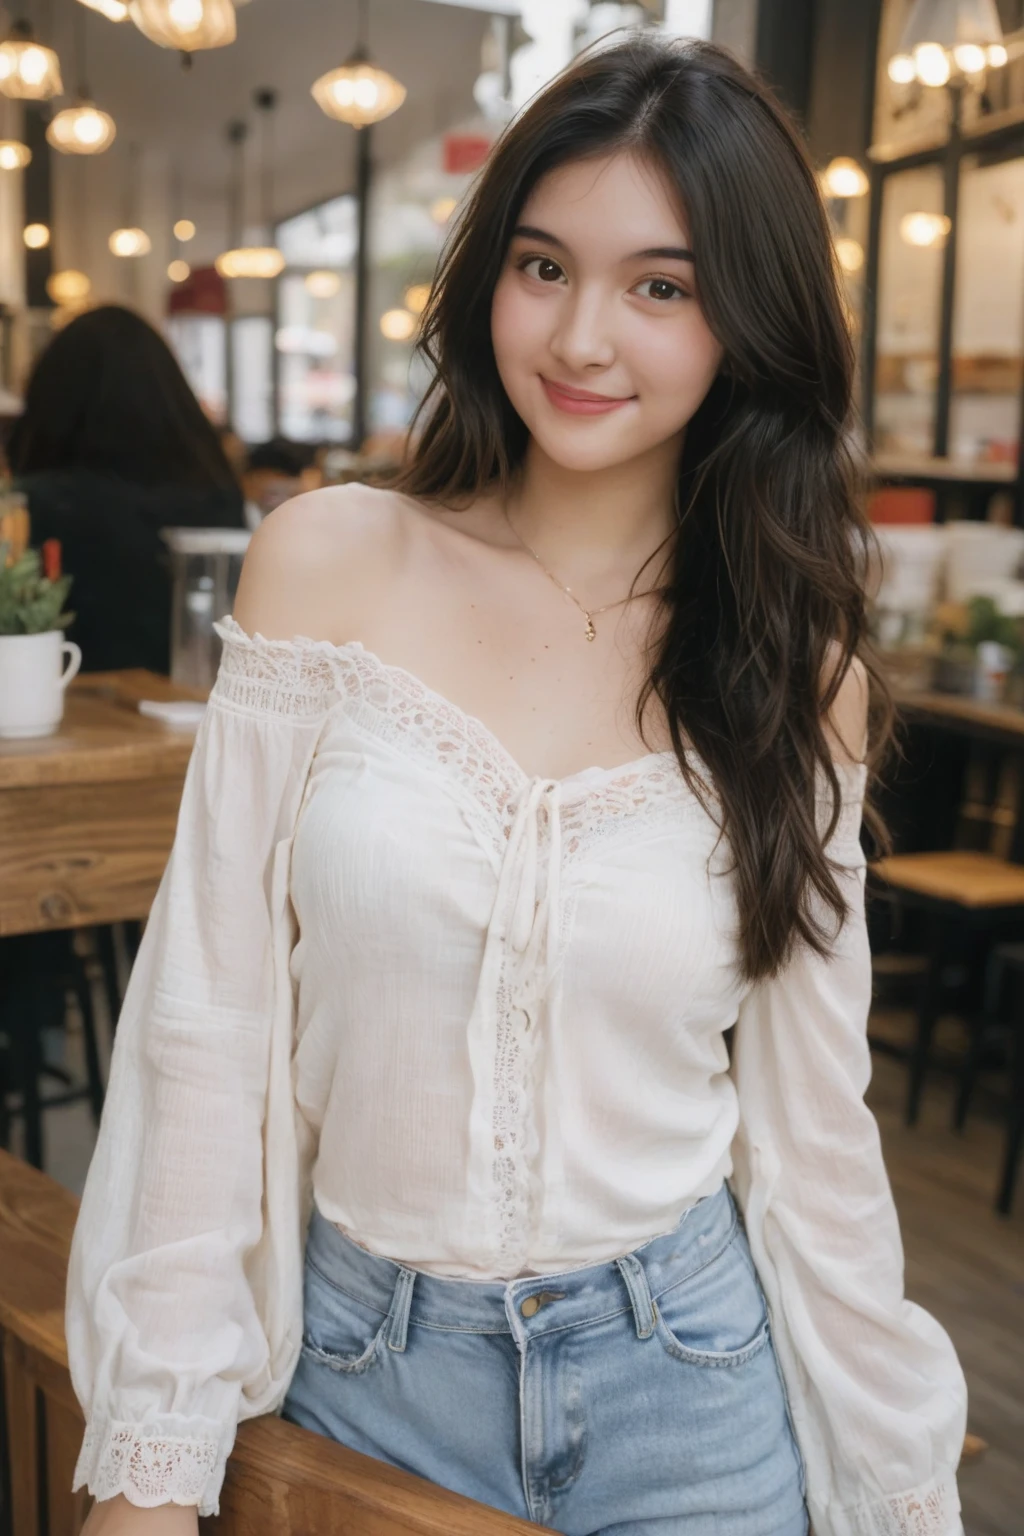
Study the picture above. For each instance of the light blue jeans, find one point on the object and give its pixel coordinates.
(639, 1397)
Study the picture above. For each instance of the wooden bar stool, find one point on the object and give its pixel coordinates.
(1006, 963)
(964, 896)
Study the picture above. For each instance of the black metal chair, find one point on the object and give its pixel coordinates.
(37, 971)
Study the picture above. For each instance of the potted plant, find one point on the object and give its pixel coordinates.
(33, 616)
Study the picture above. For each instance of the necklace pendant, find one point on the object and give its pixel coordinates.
(591, 631)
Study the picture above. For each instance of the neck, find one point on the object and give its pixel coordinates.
(592, 524)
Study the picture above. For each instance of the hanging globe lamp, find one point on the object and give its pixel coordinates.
(187, 25)
(14, 156)
(28, 70)
(82, 130)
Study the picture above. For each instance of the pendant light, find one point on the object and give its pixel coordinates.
(187, 25)
(14, 154)
(28, 70)
(943, 39)
(130, 240)
(358, 92)
(113, 10)
(82, 129)
(253, 260)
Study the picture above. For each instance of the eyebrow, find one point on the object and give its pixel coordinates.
(654, 253)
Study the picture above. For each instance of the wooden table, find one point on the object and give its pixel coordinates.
(87, 816)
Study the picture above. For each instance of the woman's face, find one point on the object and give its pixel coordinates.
(598, 336)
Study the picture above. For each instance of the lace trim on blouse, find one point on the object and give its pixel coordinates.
(149, 1469)
(933, 1510)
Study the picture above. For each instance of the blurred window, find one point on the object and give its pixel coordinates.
(988, 314)
(252, 377)
(315, 331)
(200, 342)
(913, 236)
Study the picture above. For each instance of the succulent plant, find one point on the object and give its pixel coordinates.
(33, 592)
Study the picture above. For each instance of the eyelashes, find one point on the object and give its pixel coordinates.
(662, 290)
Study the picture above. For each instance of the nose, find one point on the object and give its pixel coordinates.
(583, 335)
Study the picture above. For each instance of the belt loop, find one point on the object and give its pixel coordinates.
(635, 1276)
(401, 1301)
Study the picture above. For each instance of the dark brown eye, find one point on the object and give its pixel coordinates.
(544, 268)
(661, 288)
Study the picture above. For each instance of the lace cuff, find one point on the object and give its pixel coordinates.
(295, 678)
(176, 1460)
(933, 1510)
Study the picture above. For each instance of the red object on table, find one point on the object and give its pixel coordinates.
(51, 559)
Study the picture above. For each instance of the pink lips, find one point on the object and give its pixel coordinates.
(582, 402)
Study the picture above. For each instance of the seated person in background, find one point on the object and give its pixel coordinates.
(111, 448)
(275, 472)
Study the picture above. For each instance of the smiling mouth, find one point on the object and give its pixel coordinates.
(582, 402)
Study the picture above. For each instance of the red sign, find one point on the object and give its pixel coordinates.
(202, 293)
(464, 152)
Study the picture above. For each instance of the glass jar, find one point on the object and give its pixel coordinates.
(206, 564)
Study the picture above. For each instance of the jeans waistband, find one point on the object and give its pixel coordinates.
(532, 1304)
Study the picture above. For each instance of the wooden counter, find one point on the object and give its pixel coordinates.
(87, 816)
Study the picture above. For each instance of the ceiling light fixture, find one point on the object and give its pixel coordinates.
(322, 285)
(943, 37)
(843, 177)
(187, 25)
(925, 229)
(36, 236)
(358, 92)
(184, 230)
(82, 129)
(68, 286)
(264, 261)
(28, 70)
(113, 10)
(397, 324)
(179, 271)
(14, 155)
(130, 241)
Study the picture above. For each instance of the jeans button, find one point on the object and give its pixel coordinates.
(530, 1306)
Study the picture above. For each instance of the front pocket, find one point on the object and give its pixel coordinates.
(338, 1331)
(717, 1316)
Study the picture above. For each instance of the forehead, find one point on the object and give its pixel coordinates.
(619, 199)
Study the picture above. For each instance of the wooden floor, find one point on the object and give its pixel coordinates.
(965, 1264)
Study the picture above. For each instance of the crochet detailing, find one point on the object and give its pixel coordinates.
(148, 1468)
(277, 677)
(933, 1510)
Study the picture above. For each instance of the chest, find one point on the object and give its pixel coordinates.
(508, 648)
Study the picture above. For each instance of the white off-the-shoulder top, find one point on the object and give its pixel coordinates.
(477, 1016)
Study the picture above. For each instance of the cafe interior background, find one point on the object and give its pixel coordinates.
(271, 191)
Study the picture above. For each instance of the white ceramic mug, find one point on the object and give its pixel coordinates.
(32, 681)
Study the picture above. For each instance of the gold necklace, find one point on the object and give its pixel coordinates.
(588, 613)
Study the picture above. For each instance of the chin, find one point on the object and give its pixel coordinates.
(586, 452)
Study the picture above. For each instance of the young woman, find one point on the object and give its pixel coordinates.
(111, 449)
(469, 887)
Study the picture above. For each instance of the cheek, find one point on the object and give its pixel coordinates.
(679, 363)
(516, 326)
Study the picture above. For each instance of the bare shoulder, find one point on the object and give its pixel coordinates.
(317, 562)
(847, 724)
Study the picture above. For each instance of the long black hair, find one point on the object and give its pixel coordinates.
(766, 594)
(108, 395)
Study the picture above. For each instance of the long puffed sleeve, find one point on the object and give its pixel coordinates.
(877, 1396)
(184, 1303)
